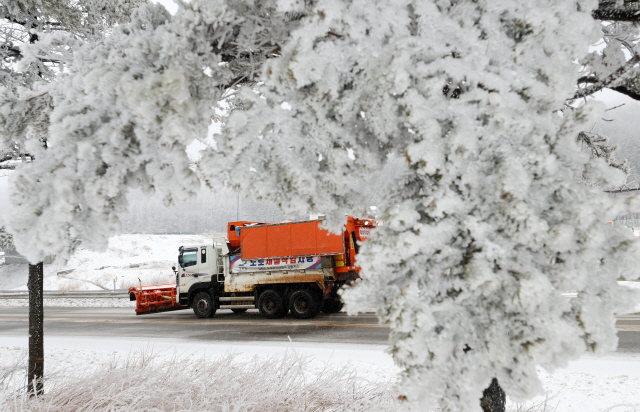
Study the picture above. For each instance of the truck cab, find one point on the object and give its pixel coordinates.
(200, 267)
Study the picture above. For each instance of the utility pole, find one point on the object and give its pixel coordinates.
(238, 207)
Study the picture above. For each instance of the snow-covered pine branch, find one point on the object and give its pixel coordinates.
(617, 10)
(598, 146)
(124, 114)
(37, 41)
(614, 62)
(37, 37)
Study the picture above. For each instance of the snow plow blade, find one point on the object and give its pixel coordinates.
(155, 298)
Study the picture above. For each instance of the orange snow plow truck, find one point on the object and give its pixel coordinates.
(276, 268)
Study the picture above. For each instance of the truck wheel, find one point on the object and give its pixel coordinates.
(270, 304)
(303, 304)
(203, 305)
(332, 306)
(238, 310)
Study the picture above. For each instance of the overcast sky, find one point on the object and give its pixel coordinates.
(169, 5)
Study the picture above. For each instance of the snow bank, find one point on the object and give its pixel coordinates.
(608, 383)
(632, 285)
(74, 303)
(128, 257)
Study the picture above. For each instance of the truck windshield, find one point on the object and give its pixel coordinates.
(188, 257)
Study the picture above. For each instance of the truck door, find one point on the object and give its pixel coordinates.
(188, 261)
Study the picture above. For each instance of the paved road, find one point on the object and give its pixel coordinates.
(183, 324)
(628, 333)
(226, 326)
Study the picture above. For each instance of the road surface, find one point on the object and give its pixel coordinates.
(628, 333)
(183, 324)
(228, 327)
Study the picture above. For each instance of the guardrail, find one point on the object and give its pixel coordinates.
(105, 294)
(71, 294)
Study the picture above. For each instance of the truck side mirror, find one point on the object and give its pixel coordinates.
(173, 268)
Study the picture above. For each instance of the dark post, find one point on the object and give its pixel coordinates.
(36, 330)
(493, 398)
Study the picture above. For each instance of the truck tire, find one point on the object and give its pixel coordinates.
(238, 310)
(270, 304)
(303, 304)
(332, 305)
(203, 305)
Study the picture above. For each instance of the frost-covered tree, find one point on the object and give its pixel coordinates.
(37, 41)
(483, 229)
(6, 240)
(614, 62)
(598, 146)
(125, 112)
(617, 10)
(488, 226)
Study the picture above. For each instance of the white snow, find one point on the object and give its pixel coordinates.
(74, 303)
(589, 384)
(595, 384)
(128, 257)
(110, 366)
(371, 361)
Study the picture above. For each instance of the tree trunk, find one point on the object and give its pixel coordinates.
(493, 398)
(611, 10)
(36, 330)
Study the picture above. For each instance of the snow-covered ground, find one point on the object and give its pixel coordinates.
(74, 303)
(608, 383)
(128, 257)
(165, 375)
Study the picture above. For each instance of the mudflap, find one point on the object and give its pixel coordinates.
(347, 276)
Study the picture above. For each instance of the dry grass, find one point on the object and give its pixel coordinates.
(158, 279)
(546, 405)
(142, 382)
(65, 275)
(71, 284)
(138, 383)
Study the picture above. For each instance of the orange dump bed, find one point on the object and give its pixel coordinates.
(305, 238)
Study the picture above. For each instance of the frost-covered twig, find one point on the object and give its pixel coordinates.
(607, 81)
